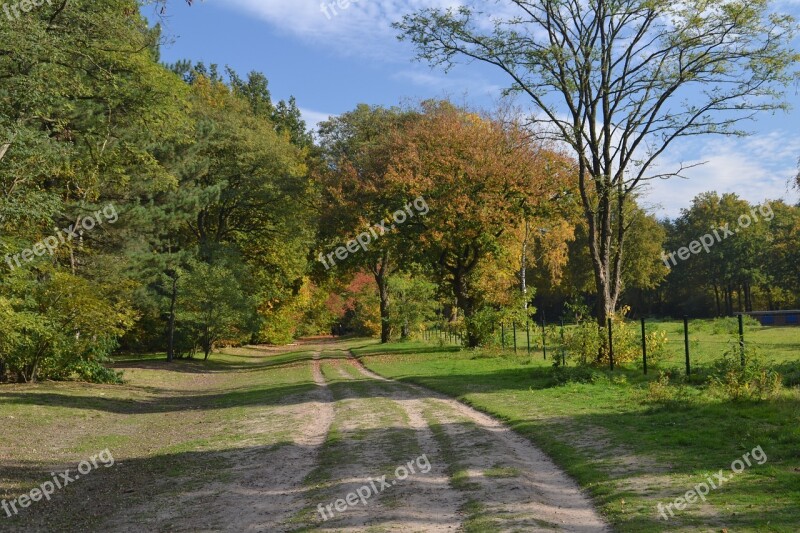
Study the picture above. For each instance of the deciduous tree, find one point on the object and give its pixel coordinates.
(619, 82)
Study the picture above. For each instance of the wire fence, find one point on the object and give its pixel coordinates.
(685, 344)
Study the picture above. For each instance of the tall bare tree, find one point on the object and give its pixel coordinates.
(619, 81)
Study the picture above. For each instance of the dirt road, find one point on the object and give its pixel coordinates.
(348, 451)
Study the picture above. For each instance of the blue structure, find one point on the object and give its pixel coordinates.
(777, 318)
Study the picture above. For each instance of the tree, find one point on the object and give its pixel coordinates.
(476, 175)
(619, 82)
(215, 307)
(84, 103)
(414, 300)
(783, 285)
(357, 149)
(733, 264)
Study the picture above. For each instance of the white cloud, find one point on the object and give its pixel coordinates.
(755, 168)
(363, 28)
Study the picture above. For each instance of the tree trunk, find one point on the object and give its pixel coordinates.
(716, 299)
(207, 344)
(523, 267)
(381, 273)
(386, 326)
(748, 297)
(467, 305)
(606, 254)
(171, 323)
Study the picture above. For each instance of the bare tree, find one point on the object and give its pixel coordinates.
(619, 81)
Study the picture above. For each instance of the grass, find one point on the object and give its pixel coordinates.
(169, 427)
(707, 340)
(629, 451)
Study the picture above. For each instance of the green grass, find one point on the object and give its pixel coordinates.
(628, 452)
(170, 427)
(707, 340)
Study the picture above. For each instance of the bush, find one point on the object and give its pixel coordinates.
(583, 342)
(64, 327)
(482, 325)
(96, 372)
(656, 342)
(660, 391)
(588, 344)
(754, 380)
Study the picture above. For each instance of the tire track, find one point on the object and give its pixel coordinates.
(524, 490)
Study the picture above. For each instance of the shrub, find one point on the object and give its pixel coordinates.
(791, 374)
(656, 345)
(483, 325)
(660, 391)
(64, 327)
(754, 380)
(96, 372)
(583, 342)
(588, 344)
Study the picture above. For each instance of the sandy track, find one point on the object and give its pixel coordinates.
(536, 495)
(262, 489)
(355, 429)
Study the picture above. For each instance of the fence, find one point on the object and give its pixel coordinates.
(684, 344)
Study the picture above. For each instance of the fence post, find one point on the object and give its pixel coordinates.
(528, 334)
(514, 326)
(741, 337)
(610, 345)
(544, 336)
(686, 343)
(644, 348)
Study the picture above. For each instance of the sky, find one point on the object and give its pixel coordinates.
(332, 59)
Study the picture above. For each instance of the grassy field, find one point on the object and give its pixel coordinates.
(169, 427)
(630, 441)
(707, 340)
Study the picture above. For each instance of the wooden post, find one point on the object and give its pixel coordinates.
(686, 343)
(644, 348)
(544, 337)
(514, 326)
(741, 337)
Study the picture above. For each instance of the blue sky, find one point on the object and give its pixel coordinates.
(332, 62)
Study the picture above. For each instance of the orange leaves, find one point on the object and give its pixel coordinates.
(477, 174)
